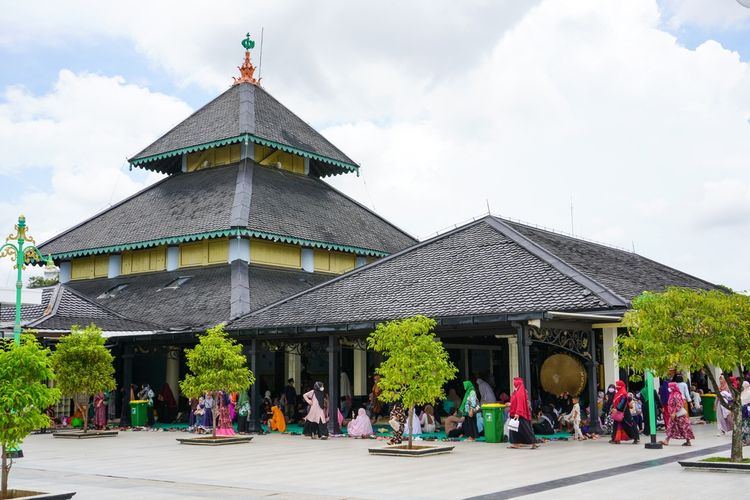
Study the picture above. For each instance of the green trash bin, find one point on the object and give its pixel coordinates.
(494, 418)
(138, 413)
(709, 407)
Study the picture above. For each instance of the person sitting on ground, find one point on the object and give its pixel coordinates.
(543, 425)
(453, 424)
(427, 419)
(277, 421)
(360, 426)
(697, 407)
(413, 427)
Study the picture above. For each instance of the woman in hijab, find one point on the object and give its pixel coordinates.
(223, 422)
(623, 427)
(397, 423)
(277, 421)
(360, 426)
(664, 398)
(468, 409)
(723, 416)
(521, 410)
(646, 397)
(745, 401)
(243, 412)
(427, 419)
(315, 421)
(679, 423)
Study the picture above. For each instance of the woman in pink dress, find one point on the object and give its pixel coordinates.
(360, 426)
(224, 423)
(678, 426)
(100, 411)
(316, 419)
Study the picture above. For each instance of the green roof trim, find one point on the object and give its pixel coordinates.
(244, 138)
(220, 234)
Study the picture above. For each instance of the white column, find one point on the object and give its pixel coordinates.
(512, 359)
(173, 258)
(360, 372)
(113, 266)
(308, 260)
(360, 260)
(172, 376)
(293, 369)
(610, 361)
(239, 248)
(66, 271)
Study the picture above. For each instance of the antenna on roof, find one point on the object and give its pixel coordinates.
(633, 244)
(260, 58)
(488, 206)
(572, 229)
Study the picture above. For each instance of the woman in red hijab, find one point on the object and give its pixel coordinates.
(519, 409)
(623, 427)
(679, 423)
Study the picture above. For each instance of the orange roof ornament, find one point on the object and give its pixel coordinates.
(247, 70)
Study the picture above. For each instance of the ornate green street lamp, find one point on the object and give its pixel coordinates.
(14, 248)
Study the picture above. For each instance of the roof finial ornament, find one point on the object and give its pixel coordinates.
(247, 69)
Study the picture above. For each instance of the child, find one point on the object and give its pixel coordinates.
(574, 417)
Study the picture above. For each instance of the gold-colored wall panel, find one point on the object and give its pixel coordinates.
(213, 157)
(143, 261)
(94, 266)
(275, 254)
(270, 157)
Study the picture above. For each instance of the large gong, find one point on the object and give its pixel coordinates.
(563, 373)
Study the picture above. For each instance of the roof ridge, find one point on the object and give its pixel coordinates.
(606, 294)
(357, 270)
(180, 122)
(307, 124)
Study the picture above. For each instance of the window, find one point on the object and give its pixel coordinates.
(177, 283)
(112, 292)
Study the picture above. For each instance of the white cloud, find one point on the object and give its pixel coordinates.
(77, 136)
(519, 104)
(716, 14)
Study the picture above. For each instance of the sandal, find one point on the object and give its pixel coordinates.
(663, 443)
(686, 444)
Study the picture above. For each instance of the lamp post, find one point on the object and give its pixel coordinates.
(14, 248)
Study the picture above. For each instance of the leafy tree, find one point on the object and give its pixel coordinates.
(24, 395)
(41, 282)
(83, 366)
(416, 366)
(689, 329)
(216, 364)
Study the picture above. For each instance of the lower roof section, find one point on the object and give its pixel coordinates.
(203, 300)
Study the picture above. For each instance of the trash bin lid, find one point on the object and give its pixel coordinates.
(136, 401)
(492, 405)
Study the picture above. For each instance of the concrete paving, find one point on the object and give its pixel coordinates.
(153, 465)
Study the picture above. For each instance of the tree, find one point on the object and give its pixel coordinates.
(24, 395)
(83, 366)
(216, 364)
(416, 366)
(689, 329)
(41, 282)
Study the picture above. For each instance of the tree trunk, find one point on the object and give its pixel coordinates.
(410, 425)
(737, 431)
(85, 413)
(214, 412)
(5, 470)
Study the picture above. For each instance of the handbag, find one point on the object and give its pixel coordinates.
(513, 424)
(681, 412)
(617, 415)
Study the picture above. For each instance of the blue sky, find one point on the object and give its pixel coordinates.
(497, 102)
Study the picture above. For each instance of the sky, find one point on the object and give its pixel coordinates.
(636, 114)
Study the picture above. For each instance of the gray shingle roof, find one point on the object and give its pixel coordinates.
(625, 273)
(28, 311)
(176, 206)
(307, 207)
(474, 270)
(261, 115)
(202, 301)
(66, 307)
(281, 203)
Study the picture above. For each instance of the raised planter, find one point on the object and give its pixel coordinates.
(402, 450)
(715, 466)
(215, 441)
(36, 495)
(84, 435)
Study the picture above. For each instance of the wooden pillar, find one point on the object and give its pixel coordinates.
(253, 424)
(591, 367)
(333, 384)
(360, 372)
(127, 380)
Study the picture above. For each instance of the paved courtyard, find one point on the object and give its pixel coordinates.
(153, 465)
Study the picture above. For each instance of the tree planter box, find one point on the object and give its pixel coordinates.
(215, 441)
(402, 450)
(716, 466)
(84, 435)
(36, 495)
